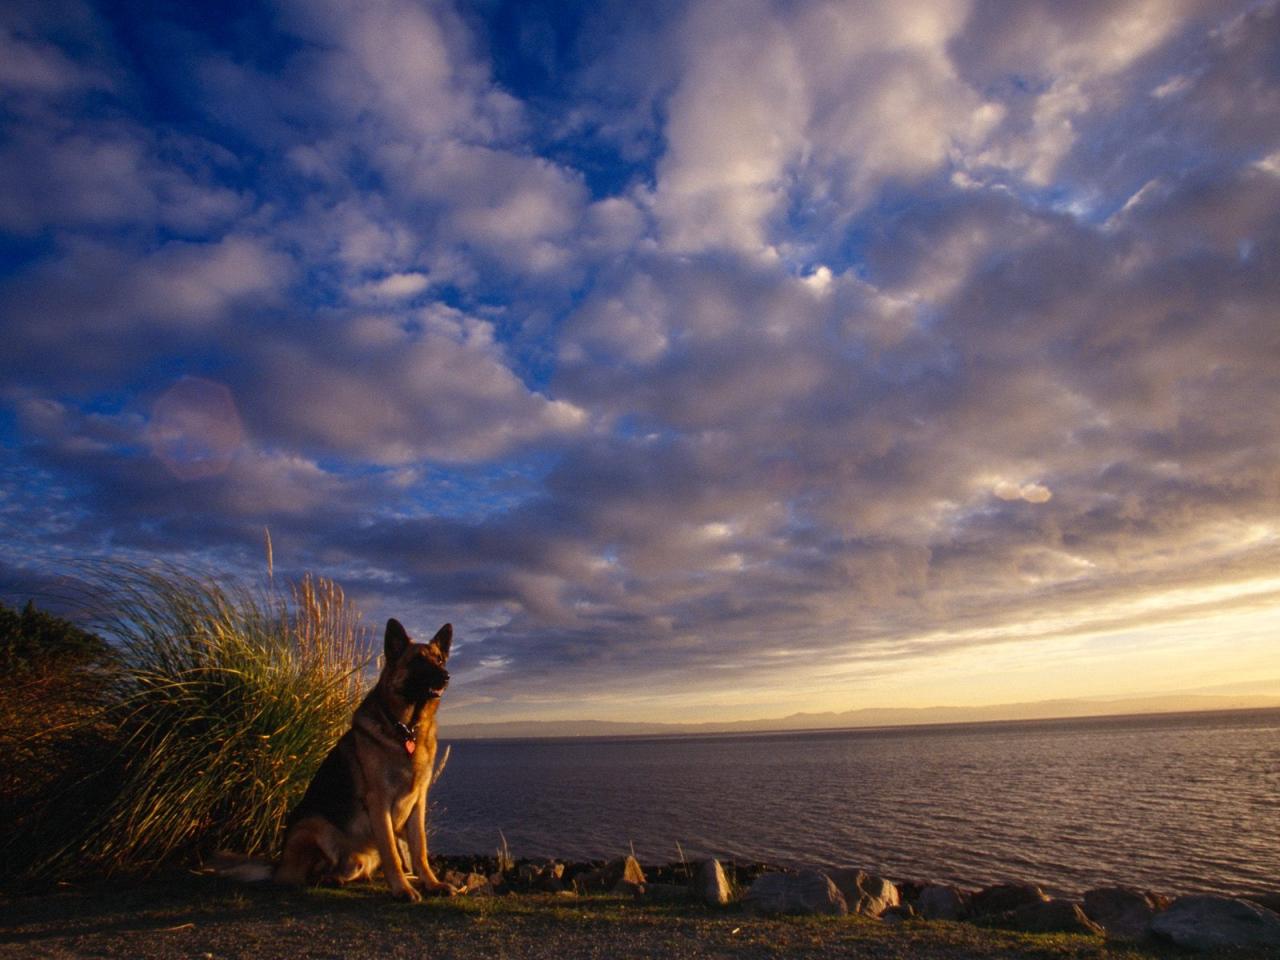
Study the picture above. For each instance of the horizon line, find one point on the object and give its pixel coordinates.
(645, 729)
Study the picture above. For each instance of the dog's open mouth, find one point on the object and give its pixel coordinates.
(421, 692)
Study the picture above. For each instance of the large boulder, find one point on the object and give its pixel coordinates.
(940, 902)
(710, 885)
(1048, 916)
(1214, 923)
(1123, 912)
(1269, 900)
(806, 892)
(865, 894)
(1003, 898)
(617, 876)
(899, 913)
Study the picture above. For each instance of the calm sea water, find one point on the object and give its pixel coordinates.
(1176, 803)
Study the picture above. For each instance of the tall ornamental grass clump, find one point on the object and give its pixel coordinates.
(225, 703)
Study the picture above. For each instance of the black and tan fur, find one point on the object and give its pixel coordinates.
(371, 789)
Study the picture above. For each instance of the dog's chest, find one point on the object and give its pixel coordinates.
(399, 778)
(406, 780)
(405, 790)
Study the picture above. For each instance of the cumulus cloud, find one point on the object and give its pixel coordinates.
(92, 313)
(430, 384)
(395, 286)
(1067, 61)
(736, 121)
(404, 65)
(1030, 492)
(59, 177)
(810, 109)
(871, 331)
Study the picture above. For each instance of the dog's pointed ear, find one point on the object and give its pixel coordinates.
(443, 639)
(396, 641)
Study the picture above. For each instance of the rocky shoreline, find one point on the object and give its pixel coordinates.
(1202, 922)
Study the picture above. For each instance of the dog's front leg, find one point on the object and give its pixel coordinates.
(418, 851)
(384, 835)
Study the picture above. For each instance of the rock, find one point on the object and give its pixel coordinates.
(1123, 912)
(806, 892)
(1215, 923)
(532, 872)
(1003, 898)
(880, 889)
(454, 878)
(1269, 900)
(617, 876)
(1047, 916)
(865, 894)
(546, 876)
(846, 881)
(477, 885)
(710, 885)
(938, 902)
(909, 890)
(899, 913)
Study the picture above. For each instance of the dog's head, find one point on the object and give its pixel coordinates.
(415, 672)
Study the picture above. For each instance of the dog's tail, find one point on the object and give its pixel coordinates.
(238, 866)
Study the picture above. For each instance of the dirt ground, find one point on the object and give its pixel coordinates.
(200, 917)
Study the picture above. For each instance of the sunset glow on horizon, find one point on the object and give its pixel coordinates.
(698, 360)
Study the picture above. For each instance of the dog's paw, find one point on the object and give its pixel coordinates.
(406, 893)
(442, 889)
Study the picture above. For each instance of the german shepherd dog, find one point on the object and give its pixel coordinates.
(372, 787)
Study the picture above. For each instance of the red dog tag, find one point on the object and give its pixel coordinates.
(410, 745)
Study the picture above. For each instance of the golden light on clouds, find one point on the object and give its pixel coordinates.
(1030, 492)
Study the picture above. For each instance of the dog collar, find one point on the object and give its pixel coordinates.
(409, 735)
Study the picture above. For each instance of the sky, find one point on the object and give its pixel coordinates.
(698, 360)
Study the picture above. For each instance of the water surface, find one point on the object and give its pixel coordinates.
(1175, 803)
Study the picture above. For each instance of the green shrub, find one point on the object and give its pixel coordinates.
(34, 644)
(225, 703)
(53, 682)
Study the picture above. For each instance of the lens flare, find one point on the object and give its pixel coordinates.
(195, 429)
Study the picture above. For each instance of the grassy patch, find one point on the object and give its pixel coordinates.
(190, 916)
(223, 704)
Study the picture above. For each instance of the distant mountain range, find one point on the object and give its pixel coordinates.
(869, 717)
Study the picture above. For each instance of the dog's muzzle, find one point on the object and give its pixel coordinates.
(426, 681)
(435, 690)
